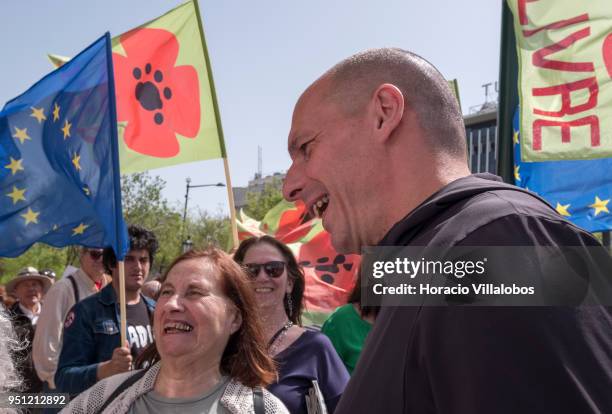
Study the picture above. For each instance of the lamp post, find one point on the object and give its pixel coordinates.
(187, 243)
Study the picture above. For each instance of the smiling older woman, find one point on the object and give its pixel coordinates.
(209, 355)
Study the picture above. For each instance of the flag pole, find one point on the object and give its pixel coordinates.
(119, 247)
(228, 181)
(122, 302)
(508, 96)
(232, 206)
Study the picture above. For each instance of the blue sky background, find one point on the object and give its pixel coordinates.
(263, 53)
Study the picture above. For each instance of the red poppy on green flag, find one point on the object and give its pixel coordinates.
(154, 97)
(330, 276)
(165, 99)
(166, 108)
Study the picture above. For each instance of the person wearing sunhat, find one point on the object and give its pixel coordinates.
(28, 288)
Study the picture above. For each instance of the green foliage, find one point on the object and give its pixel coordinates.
(40, 256)
(208, 230)
(143, 204)
(259, 203)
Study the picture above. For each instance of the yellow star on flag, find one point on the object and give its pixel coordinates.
(517, 176)
(30, 216)
(21, 134)
(515, 137)
(17, 194)
(79, 229)
(86, 190)
(38, 113)
(55, 227)
(562, 209)
(56, 110)
(14, 165)
(66, 129)
(600, 205)
(75, 161)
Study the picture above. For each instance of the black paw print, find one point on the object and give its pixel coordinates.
(147, 92)
(323, 265)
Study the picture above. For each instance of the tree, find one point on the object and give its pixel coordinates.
(209, 230)
(40, 256)
(144, 205)
(259, 203)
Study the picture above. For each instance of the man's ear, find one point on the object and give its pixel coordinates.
(388, 109)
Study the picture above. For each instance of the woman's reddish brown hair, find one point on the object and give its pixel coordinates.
(245, 357)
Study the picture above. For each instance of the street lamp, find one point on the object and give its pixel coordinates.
(187, 243)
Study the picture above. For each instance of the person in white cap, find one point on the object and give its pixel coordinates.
(28, 287)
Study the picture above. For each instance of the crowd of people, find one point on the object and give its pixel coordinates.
(214, 333)
(378, 152)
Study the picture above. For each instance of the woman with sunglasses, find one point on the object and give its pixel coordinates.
(302, 355)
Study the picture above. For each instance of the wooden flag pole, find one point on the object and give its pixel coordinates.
(122, 303)
(232, 206)
(228, 181)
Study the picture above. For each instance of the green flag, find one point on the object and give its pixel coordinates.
(565, 78)
(166, 105)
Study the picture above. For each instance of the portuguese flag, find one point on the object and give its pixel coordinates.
(166, 105)
(330, 276)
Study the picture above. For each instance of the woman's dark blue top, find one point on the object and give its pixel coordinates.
(311, 357)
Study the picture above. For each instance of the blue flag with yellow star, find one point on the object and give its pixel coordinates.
(59, 168)
(580, 190)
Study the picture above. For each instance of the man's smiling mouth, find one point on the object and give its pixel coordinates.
(319, 206)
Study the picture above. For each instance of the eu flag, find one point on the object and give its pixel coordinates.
(59, 168)
(580, 190)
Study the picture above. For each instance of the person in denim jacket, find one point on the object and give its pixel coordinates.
(92, 347)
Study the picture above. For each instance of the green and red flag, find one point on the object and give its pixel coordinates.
(166, 106)
(330, 276)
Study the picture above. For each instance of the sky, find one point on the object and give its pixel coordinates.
(263, 54)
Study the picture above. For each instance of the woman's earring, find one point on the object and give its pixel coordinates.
(289, 305)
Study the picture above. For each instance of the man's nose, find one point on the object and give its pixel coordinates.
(139, 265)
(293, 184)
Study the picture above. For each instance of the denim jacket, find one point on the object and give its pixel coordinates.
(91, 334)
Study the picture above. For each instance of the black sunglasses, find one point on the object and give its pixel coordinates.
(95, 254)
(48, 273)
(273, 269)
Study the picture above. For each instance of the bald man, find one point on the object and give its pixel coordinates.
(378, 151)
